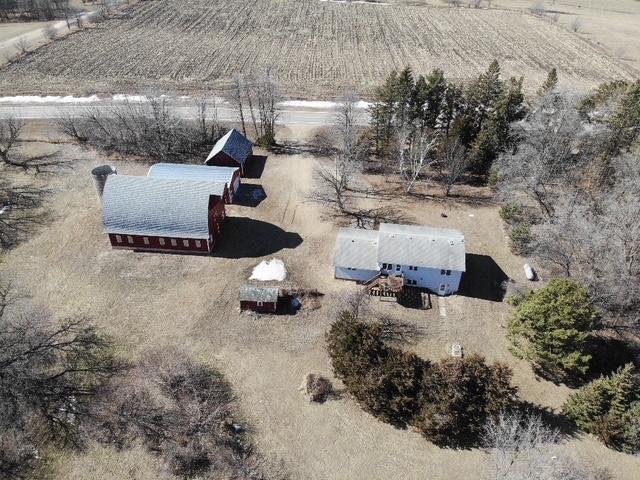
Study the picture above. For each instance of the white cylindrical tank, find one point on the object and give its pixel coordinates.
(528, 271)
(100, 175)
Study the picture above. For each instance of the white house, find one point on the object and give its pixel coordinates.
(426, 257)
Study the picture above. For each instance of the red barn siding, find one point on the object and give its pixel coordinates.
(217, 215)
(221, 159)
(266, 307)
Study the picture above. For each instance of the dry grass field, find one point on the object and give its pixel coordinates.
(153, 300)
(313, 48)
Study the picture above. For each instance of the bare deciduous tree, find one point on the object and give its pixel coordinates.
(577, 25)
(524, 448)
(415, 155)
(18, 212)
(268, 96)
(553, 146)
(454, 159)
(10, 129)
(237, 99)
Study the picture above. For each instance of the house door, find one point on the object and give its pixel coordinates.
(443, 289)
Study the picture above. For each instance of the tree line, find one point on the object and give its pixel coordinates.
(33, 9)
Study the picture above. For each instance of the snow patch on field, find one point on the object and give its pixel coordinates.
(269, 270)
(320, 104)
(49, 99)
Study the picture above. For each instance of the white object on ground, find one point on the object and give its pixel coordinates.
(267, 270)
(471, 215)
(48, 99)
(528, 271)
(442, 306)
(456, 350)
(321, 104)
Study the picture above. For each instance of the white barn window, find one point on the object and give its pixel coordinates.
(174, 243)
(145, 240)
(129, 239)
(198, 244)
(118, 238)
(161, 241)
(185, 243)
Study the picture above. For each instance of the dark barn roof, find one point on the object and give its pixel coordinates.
(157, 207)
(234, 144)
(251, 293)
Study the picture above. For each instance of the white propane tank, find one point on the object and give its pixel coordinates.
(528, 271)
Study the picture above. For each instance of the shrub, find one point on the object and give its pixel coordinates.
(520, 239)
(553, 328)
(458, 397)
(383, 380)
(316, 387)
(511, 213)
(609, 407)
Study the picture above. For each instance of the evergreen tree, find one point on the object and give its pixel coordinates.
(623, 390)
(483, 94)
(404, 92)
(553, 327)
(382, 112)
(428, 100)
(549, 84)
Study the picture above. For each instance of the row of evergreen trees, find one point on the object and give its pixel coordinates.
(448, 402)
(478, 114)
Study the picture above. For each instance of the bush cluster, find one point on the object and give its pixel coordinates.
(609, 407)
(448, 401)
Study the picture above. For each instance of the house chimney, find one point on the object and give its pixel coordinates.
(100, 175)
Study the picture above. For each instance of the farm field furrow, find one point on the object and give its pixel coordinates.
(312, 48)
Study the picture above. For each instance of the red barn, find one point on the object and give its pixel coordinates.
(157, 214)
(232, 150)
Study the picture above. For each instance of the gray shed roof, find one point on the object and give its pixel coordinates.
(156, 207)
(250, 293)
(234, 144)
(207, 173)
(422, 246)
(357, 248)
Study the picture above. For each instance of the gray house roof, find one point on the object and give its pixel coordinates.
(234, 144)
(250, 293)
(357, 248)
(414, 245)
(207, 173)
(422, 246)
(156, 207)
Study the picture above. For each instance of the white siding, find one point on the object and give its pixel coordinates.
(358, 275)
(430, 278)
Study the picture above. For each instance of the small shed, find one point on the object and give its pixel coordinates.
(259, 299)
(232, 150)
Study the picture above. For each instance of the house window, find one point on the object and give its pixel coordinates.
(129, 239)
(198, 244)
(161, 240)
(442, 272)
(118, 239)
(412, 282)
(174, 242)
(185, 243)
(398, 268)
(413, 268)
(448, 272)
(384, 266)
(390, 266)
(259, 304)
(145, 240)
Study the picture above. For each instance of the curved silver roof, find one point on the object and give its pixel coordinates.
(160, 207)
(206, 173)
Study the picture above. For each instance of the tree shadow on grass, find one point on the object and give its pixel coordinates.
(248, 238)
(483, 279)
(609, 354)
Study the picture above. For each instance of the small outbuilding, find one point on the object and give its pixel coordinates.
(227, 179)
(232, 150)
(259, 299)
(159, 214)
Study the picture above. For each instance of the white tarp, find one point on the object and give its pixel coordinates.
(269, 270)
